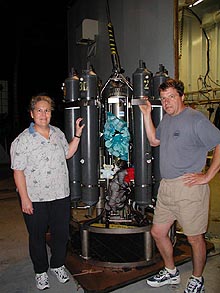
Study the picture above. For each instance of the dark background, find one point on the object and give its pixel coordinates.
(33, 55)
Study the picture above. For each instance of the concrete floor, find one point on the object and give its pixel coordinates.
(16, 272)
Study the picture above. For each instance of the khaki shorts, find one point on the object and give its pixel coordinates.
(188, 205)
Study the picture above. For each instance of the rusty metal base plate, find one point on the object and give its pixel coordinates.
(95, 278)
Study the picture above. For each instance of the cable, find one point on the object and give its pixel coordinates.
(114, 52)
(181, 34)
(208, 44)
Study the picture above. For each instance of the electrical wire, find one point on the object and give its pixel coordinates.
(181, 34)
(208, 44)
(207, 81)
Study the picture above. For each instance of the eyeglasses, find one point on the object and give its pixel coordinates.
(170, 97)
(41, 111)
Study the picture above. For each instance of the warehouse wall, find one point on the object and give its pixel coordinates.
(199, 61)
(144, 29)
(193, 61)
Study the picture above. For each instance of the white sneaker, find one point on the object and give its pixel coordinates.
(164, 278)
(42, 281)
(61, 274)
(194, 285)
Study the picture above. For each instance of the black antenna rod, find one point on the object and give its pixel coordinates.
(114, 52)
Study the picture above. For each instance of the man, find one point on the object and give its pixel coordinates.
(185, 136)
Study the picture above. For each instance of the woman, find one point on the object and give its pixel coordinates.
(38, 158)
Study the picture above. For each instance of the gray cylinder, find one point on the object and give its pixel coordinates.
(142, 81)
(71, 113)
(159, 78)
(74, 166)
(71, 88)
(90, 137)
(142, 155)
(142, 152)
(157, 115)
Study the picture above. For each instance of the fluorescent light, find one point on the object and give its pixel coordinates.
(195, 3)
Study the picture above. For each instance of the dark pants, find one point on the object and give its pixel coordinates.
(52, 216)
